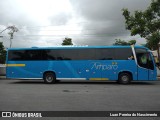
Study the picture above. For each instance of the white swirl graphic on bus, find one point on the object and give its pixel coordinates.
(99, 66)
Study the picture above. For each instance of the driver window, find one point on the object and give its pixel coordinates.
(143, 59)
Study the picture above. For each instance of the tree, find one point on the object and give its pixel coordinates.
(122, 42)
(67, 41)
(132, 42)
(145, 23)
(2, 53)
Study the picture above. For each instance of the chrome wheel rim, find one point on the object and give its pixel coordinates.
(49, 78)
(125, 78)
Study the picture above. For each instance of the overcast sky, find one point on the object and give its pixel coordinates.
(48, 22)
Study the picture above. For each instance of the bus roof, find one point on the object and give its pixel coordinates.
(74, 47)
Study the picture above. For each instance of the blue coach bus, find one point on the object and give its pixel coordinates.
(121, 63)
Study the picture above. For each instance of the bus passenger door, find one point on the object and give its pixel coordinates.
(142, 73)
(145, 67)
(152, 68)
(152, 75)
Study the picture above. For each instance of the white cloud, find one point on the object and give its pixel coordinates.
(48, 22)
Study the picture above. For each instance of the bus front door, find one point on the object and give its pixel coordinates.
(145, 67)
(142, 73)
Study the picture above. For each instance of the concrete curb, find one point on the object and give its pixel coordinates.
(2, 77)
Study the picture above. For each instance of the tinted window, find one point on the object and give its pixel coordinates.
(86, 54)
(16, 55)
(71, 54)
(122, 53)
(105, 54)
(24, 55)
(139, 50)
(32, 55)
(113, 54)
(48, 55)
(59, 54)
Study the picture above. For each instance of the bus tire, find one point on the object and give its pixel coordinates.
(124, 78)
(49, 78)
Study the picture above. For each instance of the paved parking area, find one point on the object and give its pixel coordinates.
(34, 95)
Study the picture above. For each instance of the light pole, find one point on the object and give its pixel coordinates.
(3, 30)
(12, 29)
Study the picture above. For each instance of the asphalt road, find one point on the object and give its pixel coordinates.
(29, 95)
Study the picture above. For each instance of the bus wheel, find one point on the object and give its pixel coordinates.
(124, 78)
(49, 78)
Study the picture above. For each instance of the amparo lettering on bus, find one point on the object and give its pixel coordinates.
(99, 66)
